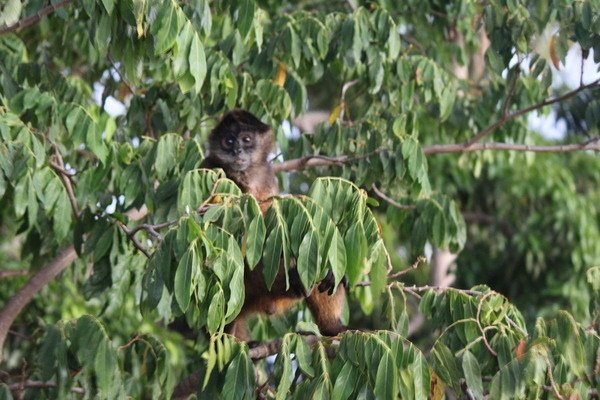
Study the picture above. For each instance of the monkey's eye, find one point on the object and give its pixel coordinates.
(246, 137)
(227, 143)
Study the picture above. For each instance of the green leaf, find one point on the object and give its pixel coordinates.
(447, 103)
(61, 216)
(94, 142)
(167, 22)
(183, 279)
(102, 245)
(272, 255)
(106, 368)
(283, 363)
(102, 36)
(393, 44)
(569, 343)
(245, 17)
(152, 288)
(86, 336)
(182, 50)
(345, 382)
(197, 62)
(216, 310)
(303, 356)
(166, 154)
(239, 378)
(356, 251)
(275, 245)
(11, 11)
(472, 372)
(109, 5)
(308, 260)
(47, 355)
(445, 365)
(336, 256)
(379, 270)
(386, 381)
(32, 203)
(255, 239)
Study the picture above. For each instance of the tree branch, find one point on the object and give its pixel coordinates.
(310, 161)
(320, 161)
(393, 202)
(507, 117)
(32, 19)
(593, 144)
(25, 294)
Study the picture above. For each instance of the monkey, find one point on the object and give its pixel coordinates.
(240, 144)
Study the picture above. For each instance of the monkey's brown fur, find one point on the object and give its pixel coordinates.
(240, 144)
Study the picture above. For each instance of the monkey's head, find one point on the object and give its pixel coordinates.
(240, 140)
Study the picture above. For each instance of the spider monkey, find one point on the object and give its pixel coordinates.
(240, 144)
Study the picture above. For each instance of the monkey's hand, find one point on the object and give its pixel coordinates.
(296, 286)
(328, 283)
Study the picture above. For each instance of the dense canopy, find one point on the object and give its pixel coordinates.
(408, 164)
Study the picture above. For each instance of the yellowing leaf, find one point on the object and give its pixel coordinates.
(335, 114)
(140, 29)
(436, 390)
(553, 54)
(281, 75)
(545, 44)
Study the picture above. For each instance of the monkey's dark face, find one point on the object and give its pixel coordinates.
(237, 151)
(239, 141)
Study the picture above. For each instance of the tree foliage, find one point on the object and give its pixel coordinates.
(153, 239)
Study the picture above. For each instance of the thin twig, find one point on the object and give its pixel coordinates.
(131, 235)
(32, 19)
(418, 262)
(153, 229)
(65, 177)
(9, 273)
(318, 161)
(441, 289)
(391, 201)
(132, 341)
(514, 325)
(20, 386)
(552, 381)
(414, 42)
(60, 169)
(478, 321)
